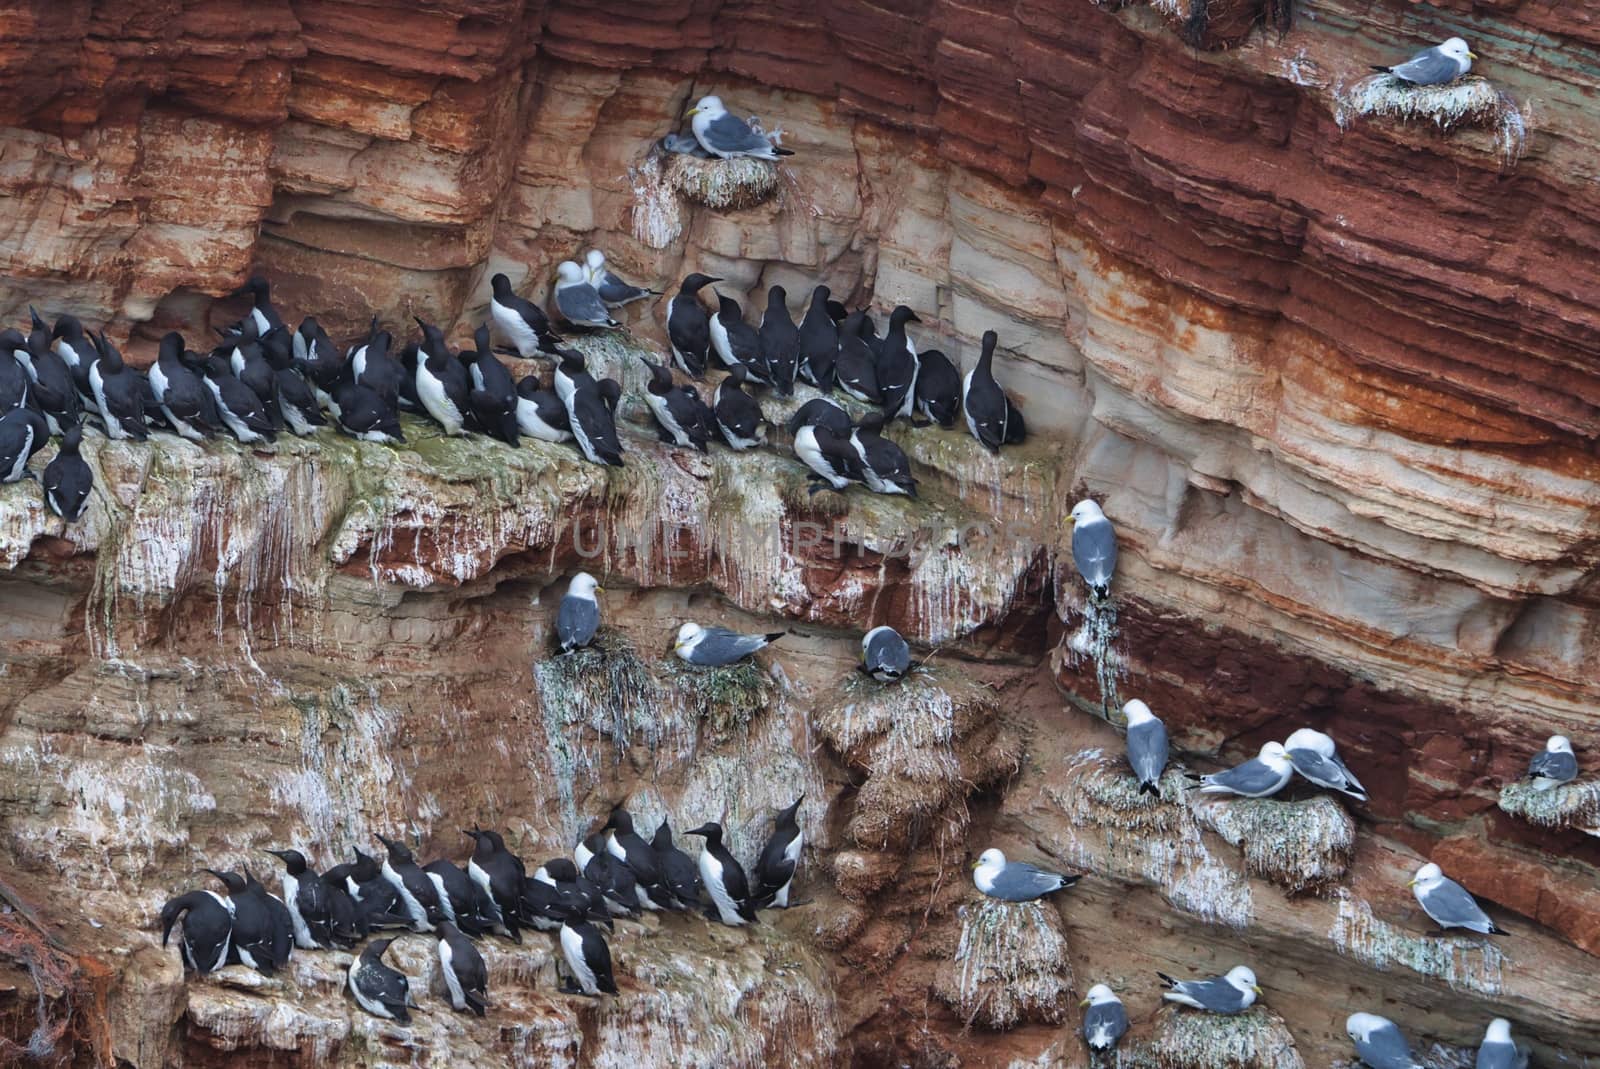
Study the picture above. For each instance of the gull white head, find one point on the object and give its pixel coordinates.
(1427, 875)
(594, 260)
(583, 585)
(569, 274)
(1361, 1025)
(990, 862)
(1099, 995)
(1558, 744)
(1499, 1031)
(1310, 739)
(1137, 713)
(688, 635)
(710, 106)
(1085, 511)
(1242, 978)
(1458, 50)
(1275, 755)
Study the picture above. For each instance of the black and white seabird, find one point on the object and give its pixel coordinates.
(263, 931)
(118, 392)
(249, 364)
(738, 415)
(590, 415)
(14, 380)
(52, 385)
(465, 975)
(206, 938)
(77, 352)
(779, 859)
(543, 905)
(301, 412)
(723, 878)
(780, 342)
(678, 869)
(1015, 881)
(612, 877)
(897, 366)
(578, 616)
(500, 873)
(628, 846)
(1105, 1020)
(821, 412)
(885, 468)
(884, 654)
(418, 893)
(493, 401)
(240, 410)
(938, 388)
(373, 365)
(831, 457)
(726, 136)
(68, 478)
(588, 959)
(540, 413)
(733, 340)
(855, 365)
(378, 989)
(180, 393)
(688, 325)
(578, 302)
(442, 383)
(677, 413)
(22, 434)
(306, 896)
(520, 321)
(714, 647)
(311, 344)
(614, 291)
(988, 410)
(362, 413)
(465, 904)
(818, 337)
(264, 316)
(1147, 746)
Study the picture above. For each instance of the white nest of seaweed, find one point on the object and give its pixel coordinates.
(1010, 965)
(1571, 805)
(664, 180)
(1467, 102)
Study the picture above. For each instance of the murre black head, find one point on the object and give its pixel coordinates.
(501, 285)
(231, 880)
(397, 850)
(711, 830)
(293, 860)
(694, 282)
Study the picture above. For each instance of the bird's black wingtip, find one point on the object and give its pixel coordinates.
(774, 636)
(1169, 981)
(1150, 788)
(783, 151)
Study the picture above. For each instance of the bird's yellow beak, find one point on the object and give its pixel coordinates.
(599, 590)
(691, 111)
(1258, 990)
(1070, 521)
(1413, 883)
(1472, 55)
(974, 865)
(1082, 1004)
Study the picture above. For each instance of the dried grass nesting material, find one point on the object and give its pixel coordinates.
(725, 699)
(1254, 1039)
(1471, 102)
(1571, 805)
(603, 686)
(657, 208)
(742, 182)
(1010, 966)
(1105, 793)
(1300, 846)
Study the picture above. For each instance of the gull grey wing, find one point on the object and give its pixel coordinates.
(1452, 906)
(1499, 1056)
(1094, 551)
(581, 304)
(1320, 770)
(1252, 777)
(1428, 67)
(577, 620)
(1386, 1048)
(1557, 766)
(721, 646)
(729, 133)
(1018, 882)
(1104, 1024)
(1147, 750)
(1216, 995)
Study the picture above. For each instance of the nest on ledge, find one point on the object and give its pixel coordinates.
(1010, 966)
(1469, 102)
(1571, 805)
(1300, 846)
(742, 182)
(726, 699)
(1184, 1039)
